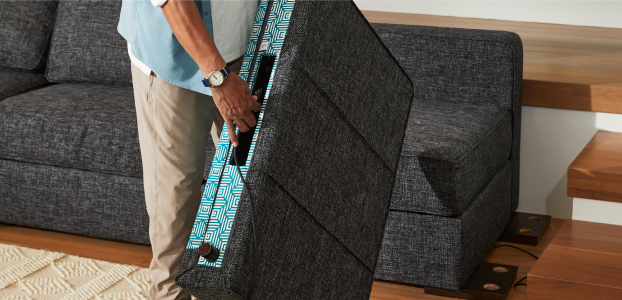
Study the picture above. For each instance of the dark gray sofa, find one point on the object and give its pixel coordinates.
(69, 153)
(70, 160)
(457, 181)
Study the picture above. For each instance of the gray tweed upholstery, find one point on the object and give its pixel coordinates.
(482, 67)
(85, 45)
(25, 28)
(464, 126)
(440, 251)
(72, 200)
(13, 82)
(69, 157)
(323, 168)
(450, 151)
(83, 126)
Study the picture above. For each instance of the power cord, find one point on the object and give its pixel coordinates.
(519, 282)
(235, 158)
(511, 246)
(499, 246)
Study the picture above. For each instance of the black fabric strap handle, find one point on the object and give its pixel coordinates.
(266, 16)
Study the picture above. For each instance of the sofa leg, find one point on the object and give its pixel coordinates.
(490, 281)
(525, 228)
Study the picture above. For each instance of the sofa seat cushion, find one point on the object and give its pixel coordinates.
(71, 200)
(13, 82)
(443, 252)
(25, 28)
(83, 126)
(450, 152)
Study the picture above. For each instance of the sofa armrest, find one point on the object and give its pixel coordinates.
(459, 65)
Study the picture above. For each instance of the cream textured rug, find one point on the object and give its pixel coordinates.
(30, 274)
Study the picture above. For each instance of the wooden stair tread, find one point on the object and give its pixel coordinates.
(583, 260)
(565, 66)
(596, 173)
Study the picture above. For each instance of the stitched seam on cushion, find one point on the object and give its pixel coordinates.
(66, 167)
(28, 89)
(504, 116)
(52, 32)
(48, 40)
(410, 81)
(505, 44)
(63, 118)
(426, 213)
(412, 86)
(344, 119)
(316, 220)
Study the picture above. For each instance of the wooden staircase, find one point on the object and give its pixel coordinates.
(568, 67)
(583, 261)
(596, 173)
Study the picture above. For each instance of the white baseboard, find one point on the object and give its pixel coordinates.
(598, 211)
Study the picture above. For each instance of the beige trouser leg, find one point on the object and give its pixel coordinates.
(173, 126)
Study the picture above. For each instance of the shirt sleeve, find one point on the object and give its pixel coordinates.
(158, 3)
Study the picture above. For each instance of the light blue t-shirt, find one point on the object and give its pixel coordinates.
(154, 44)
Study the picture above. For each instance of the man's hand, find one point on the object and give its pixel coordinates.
(232, 98)
(235, 103)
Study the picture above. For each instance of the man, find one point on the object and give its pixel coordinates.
(173, 46)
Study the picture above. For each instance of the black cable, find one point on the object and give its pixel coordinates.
(511, 246)
(519, 282)
(516, 249)
(222, 171)
(264, 25)
(235, 158)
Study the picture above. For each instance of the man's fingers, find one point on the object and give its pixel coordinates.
(242, 125)
(256, 106)
(250, 119)
(231, 130)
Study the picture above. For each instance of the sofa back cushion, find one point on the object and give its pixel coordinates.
(86, 46)
(482, 67)
(25, 28)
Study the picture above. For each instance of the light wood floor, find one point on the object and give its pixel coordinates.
(140, 255)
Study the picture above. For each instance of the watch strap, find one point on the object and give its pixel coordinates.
(225, 71)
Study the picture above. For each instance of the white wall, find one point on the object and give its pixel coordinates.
(551, 139)
(585, 13)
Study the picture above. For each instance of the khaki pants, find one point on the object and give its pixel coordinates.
(173, 128)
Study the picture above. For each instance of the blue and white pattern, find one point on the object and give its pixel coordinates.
(226, 204)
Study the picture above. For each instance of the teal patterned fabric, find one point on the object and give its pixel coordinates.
(226, 204)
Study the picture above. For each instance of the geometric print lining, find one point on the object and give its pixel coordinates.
(213, 223)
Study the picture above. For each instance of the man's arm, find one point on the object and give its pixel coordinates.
(233, 97)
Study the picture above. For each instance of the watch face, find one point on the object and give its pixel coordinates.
(216, 78)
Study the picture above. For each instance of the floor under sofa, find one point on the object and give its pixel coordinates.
(140, 255)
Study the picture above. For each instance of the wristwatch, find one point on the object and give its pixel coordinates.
(216, 78)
